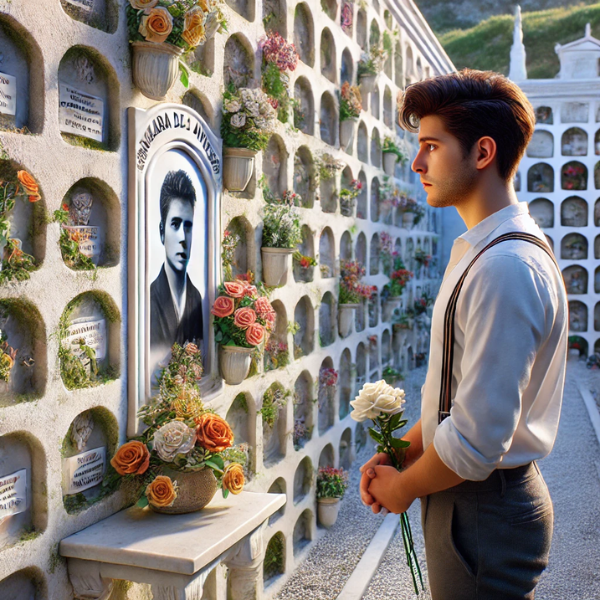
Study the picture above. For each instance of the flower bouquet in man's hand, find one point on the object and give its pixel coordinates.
(383, 404)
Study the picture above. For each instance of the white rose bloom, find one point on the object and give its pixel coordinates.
(232, 106)
(375, 399)
(238, 120)
(252, 108)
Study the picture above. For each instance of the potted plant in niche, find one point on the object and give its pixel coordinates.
(242, 320)
(331, 487)
(351, 293)
(246, 126)
(392, 154)
(350, 107)
(412, 212)
(348, 197)
(369, 66)
(280, 236)
(161, 31)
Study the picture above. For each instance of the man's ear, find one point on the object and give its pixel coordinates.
(161, 228)
(485, 152)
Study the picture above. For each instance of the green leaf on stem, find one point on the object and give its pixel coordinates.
(376, 435)
(397, 444)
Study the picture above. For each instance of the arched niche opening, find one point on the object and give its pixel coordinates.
(398, 247)
(274, 563)
(347, 72)
(542, 211)
(550, 241)
(201, 60)
(241, 417)
(596, 281)
(304, 338)
(94, 220)
(347, 17)
(346, 371)
(578, 316)
(410, 65)
(574, 142)
(22, 465)
(304, 108)
(23, 335)
(541, 144)
(359, 316)
(330, 8)
(374, 34)
(90, 350)
(346, 449)
(388, 109)
(347, 204)
(26, 584)
(398, 67)
(374, 255)
(279, 486)
(90, 443)
(388, 65)
(328, 121)
(374, 309)
(362, 143)
(304, 177)
(373, 358)
(375, 102)
(328, 56)
(238, 62)
(597, 142)
(543, 115)
(244, 8)
(597, 347)
(276, 354)
(574, 212)
(386, 348)
(100, 14)
(362, 198)
(346, 246)
(303, 409)
(274, 16)
(327, 320)
(361, 367)
(273, 411)
(303, 531)
(306, 248)
(579, 343)
(328, 191)
(274, 159)
(517, 181)
(573, 176)
(375, 147)
(361, 249)
(574, 112)
(328, 384)
(303, 479)
(201, 104)
(419, 69)
(540, 178)
(327, 253)
(597, 213)
(23, 66)
(576, 279)
(84, 75)
(388, 19)
(597, 247)
(574, 246)
(410, 254)
(597, 175)
(375, 200)
(304, 37)
(597, 321)
(326, 458)
(361, 29)
(244, 250)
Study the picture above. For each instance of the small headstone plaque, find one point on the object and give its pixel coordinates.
(92, 331)
(8, 94)
(80, 113)
(83, 4)
(13, 494)
(84, 471)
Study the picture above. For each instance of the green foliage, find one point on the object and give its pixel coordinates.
(392, 376)
(281, 226)
(331, 483)
(274, 557)
(273, 399)
(275, 84)
(69, 247)
(390, 147)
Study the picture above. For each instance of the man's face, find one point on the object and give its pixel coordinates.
(177, 237)
(446, 174)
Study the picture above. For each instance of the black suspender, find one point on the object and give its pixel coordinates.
(448, 351)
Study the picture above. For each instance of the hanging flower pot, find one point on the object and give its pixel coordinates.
(389, 163)
(155, 68)
(347, 133)
(234, 363)
(327, 511)
(275, 263)
(367, 83)
(194, 491)
(408, 220)
(238, 166)
(346, 318)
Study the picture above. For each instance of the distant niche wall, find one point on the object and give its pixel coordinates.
(238, 65)
(102, 14)
(345, 383)
(304, 176)
(275, 434)
(196, 100)
(304, 111)
(304, 37)
(306, 248)
(304, 337)
(327, 321)
(328, 121)
(328, 57)
(274, 161)
(274, 16)
(244, 8)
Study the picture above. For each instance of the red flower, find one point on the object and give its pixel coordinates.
(255, 334)
(223, 306)
(244, 317)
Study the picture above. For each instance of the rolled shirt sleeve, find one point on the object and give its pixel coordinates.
(503, 316)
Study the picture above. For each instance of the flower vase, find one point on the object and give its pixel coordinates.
(389, 163)
(346, 318)
(195, 490)
(347, 133)
(234, 363)
(408, 220)
(275, 265)
(238, 165)
(367, 83)
(155, 68)
(327, 511)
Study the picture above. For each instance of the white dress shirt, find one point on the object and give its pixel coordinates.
(510, 351)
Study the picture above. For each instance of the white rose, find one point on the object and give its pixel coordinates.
(238, 120)
(232, 106)
(377, 398)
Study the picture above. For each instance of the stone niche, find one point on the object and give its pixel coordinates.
(201, 104)
(388, 110)
(26, 584)
(303, 479)
(328, 120)
(374, 255)
(274, 563)
(241, 416)
(23, 490)
(306, 248)
(576, 279)
(274, 16)
(375, 200)
(346, 449)
(574, 212)
(386, 348)
(361, 249)
(304, 111)
(574, 246)
(597, 280)
(375, 102)
(597, 142)
(398, 69)
(275, 433)
(303, 531)
(95, 219)
(86, 450)
(21, 78)
(375, 145)
(359, 316)
(347, 209)
(347, 72)
(23, 335)
(238, 63)
(274, 165)
(245, 8)
(574, 112)
(541, 144)
(304, 338)
(374, 309)
(346, 372)
(597, 321)
(362, 143)
(543, 115)
(84, 76)
(361, 29)
(328, 61)
(517, 181)
(542, 211)
(574, 142)
(246, 247)
(361, 368)
(303, 409)
(276, 353)
(277, 487)
(326, 398)
(373, 358)
(304, 177)
(346, 246)
(327, 320)
(574, 176)
(201, 60)
(540, 178)
(327, 254)
(304, 35)
(328, 193)
(374, 34)
(362, 198)
(578, 316)
(326, 458)
(101, 14)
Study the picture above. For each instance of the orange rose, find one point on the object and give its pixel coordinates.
(28, 182)
(156, 25)
(143, 4)
(193, 28)
(233, 478)
(255, 334)
(223, 306)
(234, 288)
(162, 492)
(244, 317)
(132, 458)
(213, 432)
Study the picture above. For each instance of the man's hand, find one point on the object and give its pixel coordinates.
(387, 490)
(368, 472)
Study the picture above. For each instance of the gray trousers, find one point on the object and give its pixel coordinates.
(488, 540)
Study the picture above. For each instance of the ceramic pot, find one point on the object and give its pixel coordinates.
(389, 163)
(196, 490)
(367, 83)
(275, 265)
(238, 165)
(346, 318)
(327, 511)
(155, 68)
(347, 133)
(234, 363)
(408, 220)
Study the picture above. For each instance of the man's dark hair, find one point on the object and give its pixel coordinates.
(177, 184)
(474, 104)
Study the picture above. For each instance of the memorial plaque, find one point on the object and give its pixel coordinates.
(92, 331)
(13, 494)
(83, 4)
(88, 239)
(8, 94)
(80, 114)
(84, 471)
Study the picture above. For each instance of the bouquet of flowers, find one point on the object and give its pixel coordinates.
(390, 147)
(276, 355)
(348, 197)
(407, 204)
(351, 290)
(281, 223)
(7, 358)
(350, 102)
(422, 258)
(399, 277)
(372, 63)
(331, 482)
(304, 261)
(346, 17)
(383, 405)
(328, 377)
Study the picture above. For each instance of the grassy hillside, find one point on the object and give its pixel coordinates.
(487, 45)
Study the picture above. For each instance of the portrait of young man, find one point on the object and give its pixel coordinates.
(486, 512)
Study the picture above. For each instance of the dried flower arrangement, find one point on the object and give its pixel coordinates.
(273, 399)
(69, 243)
(351, 291)
(350, 102)
(281, 223)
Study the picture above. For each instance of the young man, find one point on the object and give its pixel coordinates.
(486, 512)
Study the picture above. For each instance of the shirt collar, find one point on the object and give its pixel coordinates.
(483, 229)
